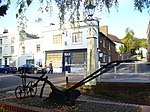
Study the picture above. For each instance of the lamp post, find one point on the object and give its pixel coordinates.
(92, 57)
(90, 8)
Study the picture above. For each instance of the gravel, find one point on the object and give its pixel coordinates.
(85, 103)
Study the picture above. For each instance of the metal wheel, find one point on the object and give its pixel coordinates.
(20, 92)
(32, 89)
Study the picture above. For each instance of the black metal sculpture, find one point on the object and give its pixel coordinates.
(28, 89)
(58, 95)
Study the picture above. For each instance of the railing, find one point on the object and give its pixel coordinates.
(127, 72)
(79, 69)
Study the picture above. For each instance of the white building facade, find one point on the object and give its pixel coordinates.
(15, 52)
(9, 49)
(65, 48)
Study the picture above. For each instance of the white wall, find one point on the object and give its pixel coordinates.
(51, 30)
(30, 51)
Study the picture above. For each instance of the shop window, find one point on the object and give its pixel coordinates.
(30, 61)
(55, 59)
(79, 57)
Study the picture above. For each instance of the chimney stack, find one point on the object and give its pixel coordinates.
(5, 31)
(104, 30)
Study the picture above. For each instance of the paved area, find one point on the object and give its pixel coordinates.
(83, 104)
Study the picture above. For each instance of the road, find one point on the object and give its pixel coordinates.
(8, 82)
(11, 81)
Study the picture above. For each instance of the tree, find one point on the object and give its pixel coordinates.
(132, 42)
(3, 7)
(72, 6)
(66, 7)
(122, 49)
(143, 43)
(129, 42)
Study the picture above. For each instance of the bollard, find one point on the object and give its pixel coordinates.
(66, 72)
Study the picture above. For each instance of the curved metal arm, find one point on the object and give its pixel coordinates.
(98, 72)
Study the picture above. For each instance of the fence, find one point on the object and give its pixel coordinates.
(127, 72)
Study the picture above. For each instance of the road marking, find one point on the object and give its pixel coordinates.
(3, 76)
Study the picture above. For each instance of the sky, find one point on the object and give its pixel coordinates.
(117, 20)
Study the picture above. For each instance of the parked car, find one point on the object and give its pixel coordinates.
(30, 68)
(8, 69)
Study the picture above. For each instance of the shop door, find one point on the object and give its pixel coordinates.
(67, 62)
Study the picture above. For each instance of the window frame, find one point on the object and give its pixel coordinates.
(76, 37)
(57, 39)
(38, 48)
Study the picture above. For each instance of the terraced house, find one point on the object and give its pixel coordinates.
(67, 49)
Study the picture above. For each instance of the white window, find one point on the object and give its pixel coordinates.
(104, 57)
(109, 46)
(12, 49)
(57, 39)
(6, 40)
(38, 48)
(6, 50)
(0, 50)
(23, 50)
(76, 37)
(104, 42)
(0, 61)
(1, 41)
(109, 58)
(12, 40)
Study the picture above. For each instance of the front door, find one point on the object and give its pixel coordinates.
(5, 61)
(67, 62)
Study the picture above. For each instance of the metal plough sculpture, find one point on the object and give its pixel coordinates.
(58, 95)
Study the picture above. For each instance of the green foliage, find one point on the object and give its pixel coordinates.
(69, 7)
(29, 2)
(122, 49)
(143, 43)
(128, 40)
(4, 7)
(74, 7)
(3, 10)
(141, 4)
(133, 43)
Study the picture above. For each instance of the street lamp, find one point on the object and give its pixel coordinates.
(92, 58)
(90, 8)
